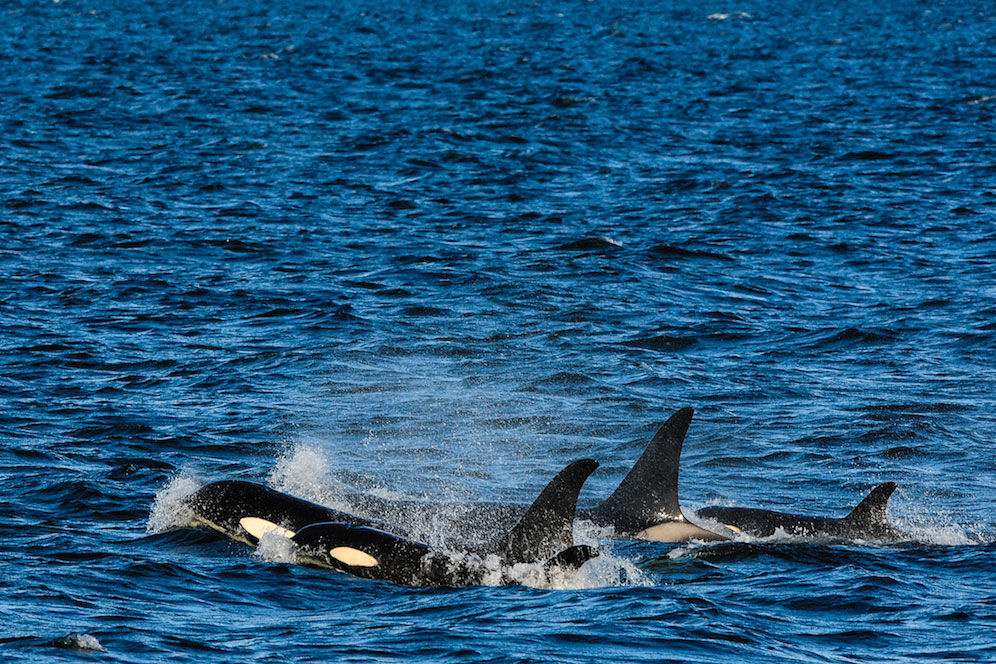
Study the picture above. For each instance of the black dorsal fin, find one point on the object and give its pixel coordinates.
(548, 525)
(649, 493)
(871, 512)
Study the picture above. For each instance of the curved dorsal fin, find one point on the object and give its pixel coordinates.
(872, 510)
(548, 525)
(649, 493)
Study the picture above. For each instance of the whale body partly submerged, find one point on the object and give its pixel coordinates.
(868, 521)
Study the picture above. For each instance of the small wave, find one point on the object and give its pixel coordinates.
(901, 452)
(906, 409)
(662, 342)
(600, 243)
(850, 336)
(974, 101)
(564, 378)
(867, 155)
(862, 336)
(672, 251)
(422, 311)
(725, 16)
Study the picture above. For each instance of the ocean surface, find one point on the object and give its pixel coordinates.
(439, 251)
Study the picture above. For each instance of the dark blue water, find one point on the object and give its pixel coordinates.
(440, 250)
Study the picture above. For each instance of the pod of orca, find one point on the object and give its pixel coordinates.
(644, 506)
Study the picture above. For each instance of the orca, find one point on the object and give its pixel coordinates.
(246, 512)
(868, 521)
(375, 554)
(643, 506)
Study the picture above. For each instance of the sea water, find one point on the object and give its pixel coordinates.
(440, 250)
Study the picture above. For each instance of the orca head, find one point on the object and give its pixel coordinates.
(246, 511)
(233, 507)
(361, 551)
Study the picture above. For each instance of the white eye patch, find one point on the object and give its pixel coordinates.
(258, 527)
(353, 557)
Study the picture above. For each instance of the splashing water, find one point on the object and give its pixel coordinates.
(168, 510)
(304, 471)
(276, 548)
(941, 529)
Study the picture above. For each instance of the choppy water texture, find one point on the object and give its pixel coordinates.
(442, 249)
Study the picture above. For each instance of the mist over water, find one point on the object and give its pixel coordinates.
(439, 252)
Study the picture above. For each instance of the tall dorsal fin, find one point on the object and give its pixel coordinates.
(871, 511)
(649, 493)
(548, 525)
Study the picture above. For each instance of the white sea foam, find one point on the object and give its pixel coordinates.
(723, 16)
(608, 569)
(605, 570)
(275, 548)
(168, 510)
(925, 523)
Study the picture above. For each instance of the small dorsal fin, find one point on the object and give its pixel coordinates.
(872, 510)
(548, 525)
(649, 493)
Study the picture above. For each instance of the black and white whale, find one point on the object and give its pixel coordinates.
(868, 521)
(643, 506)
(246, 512)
